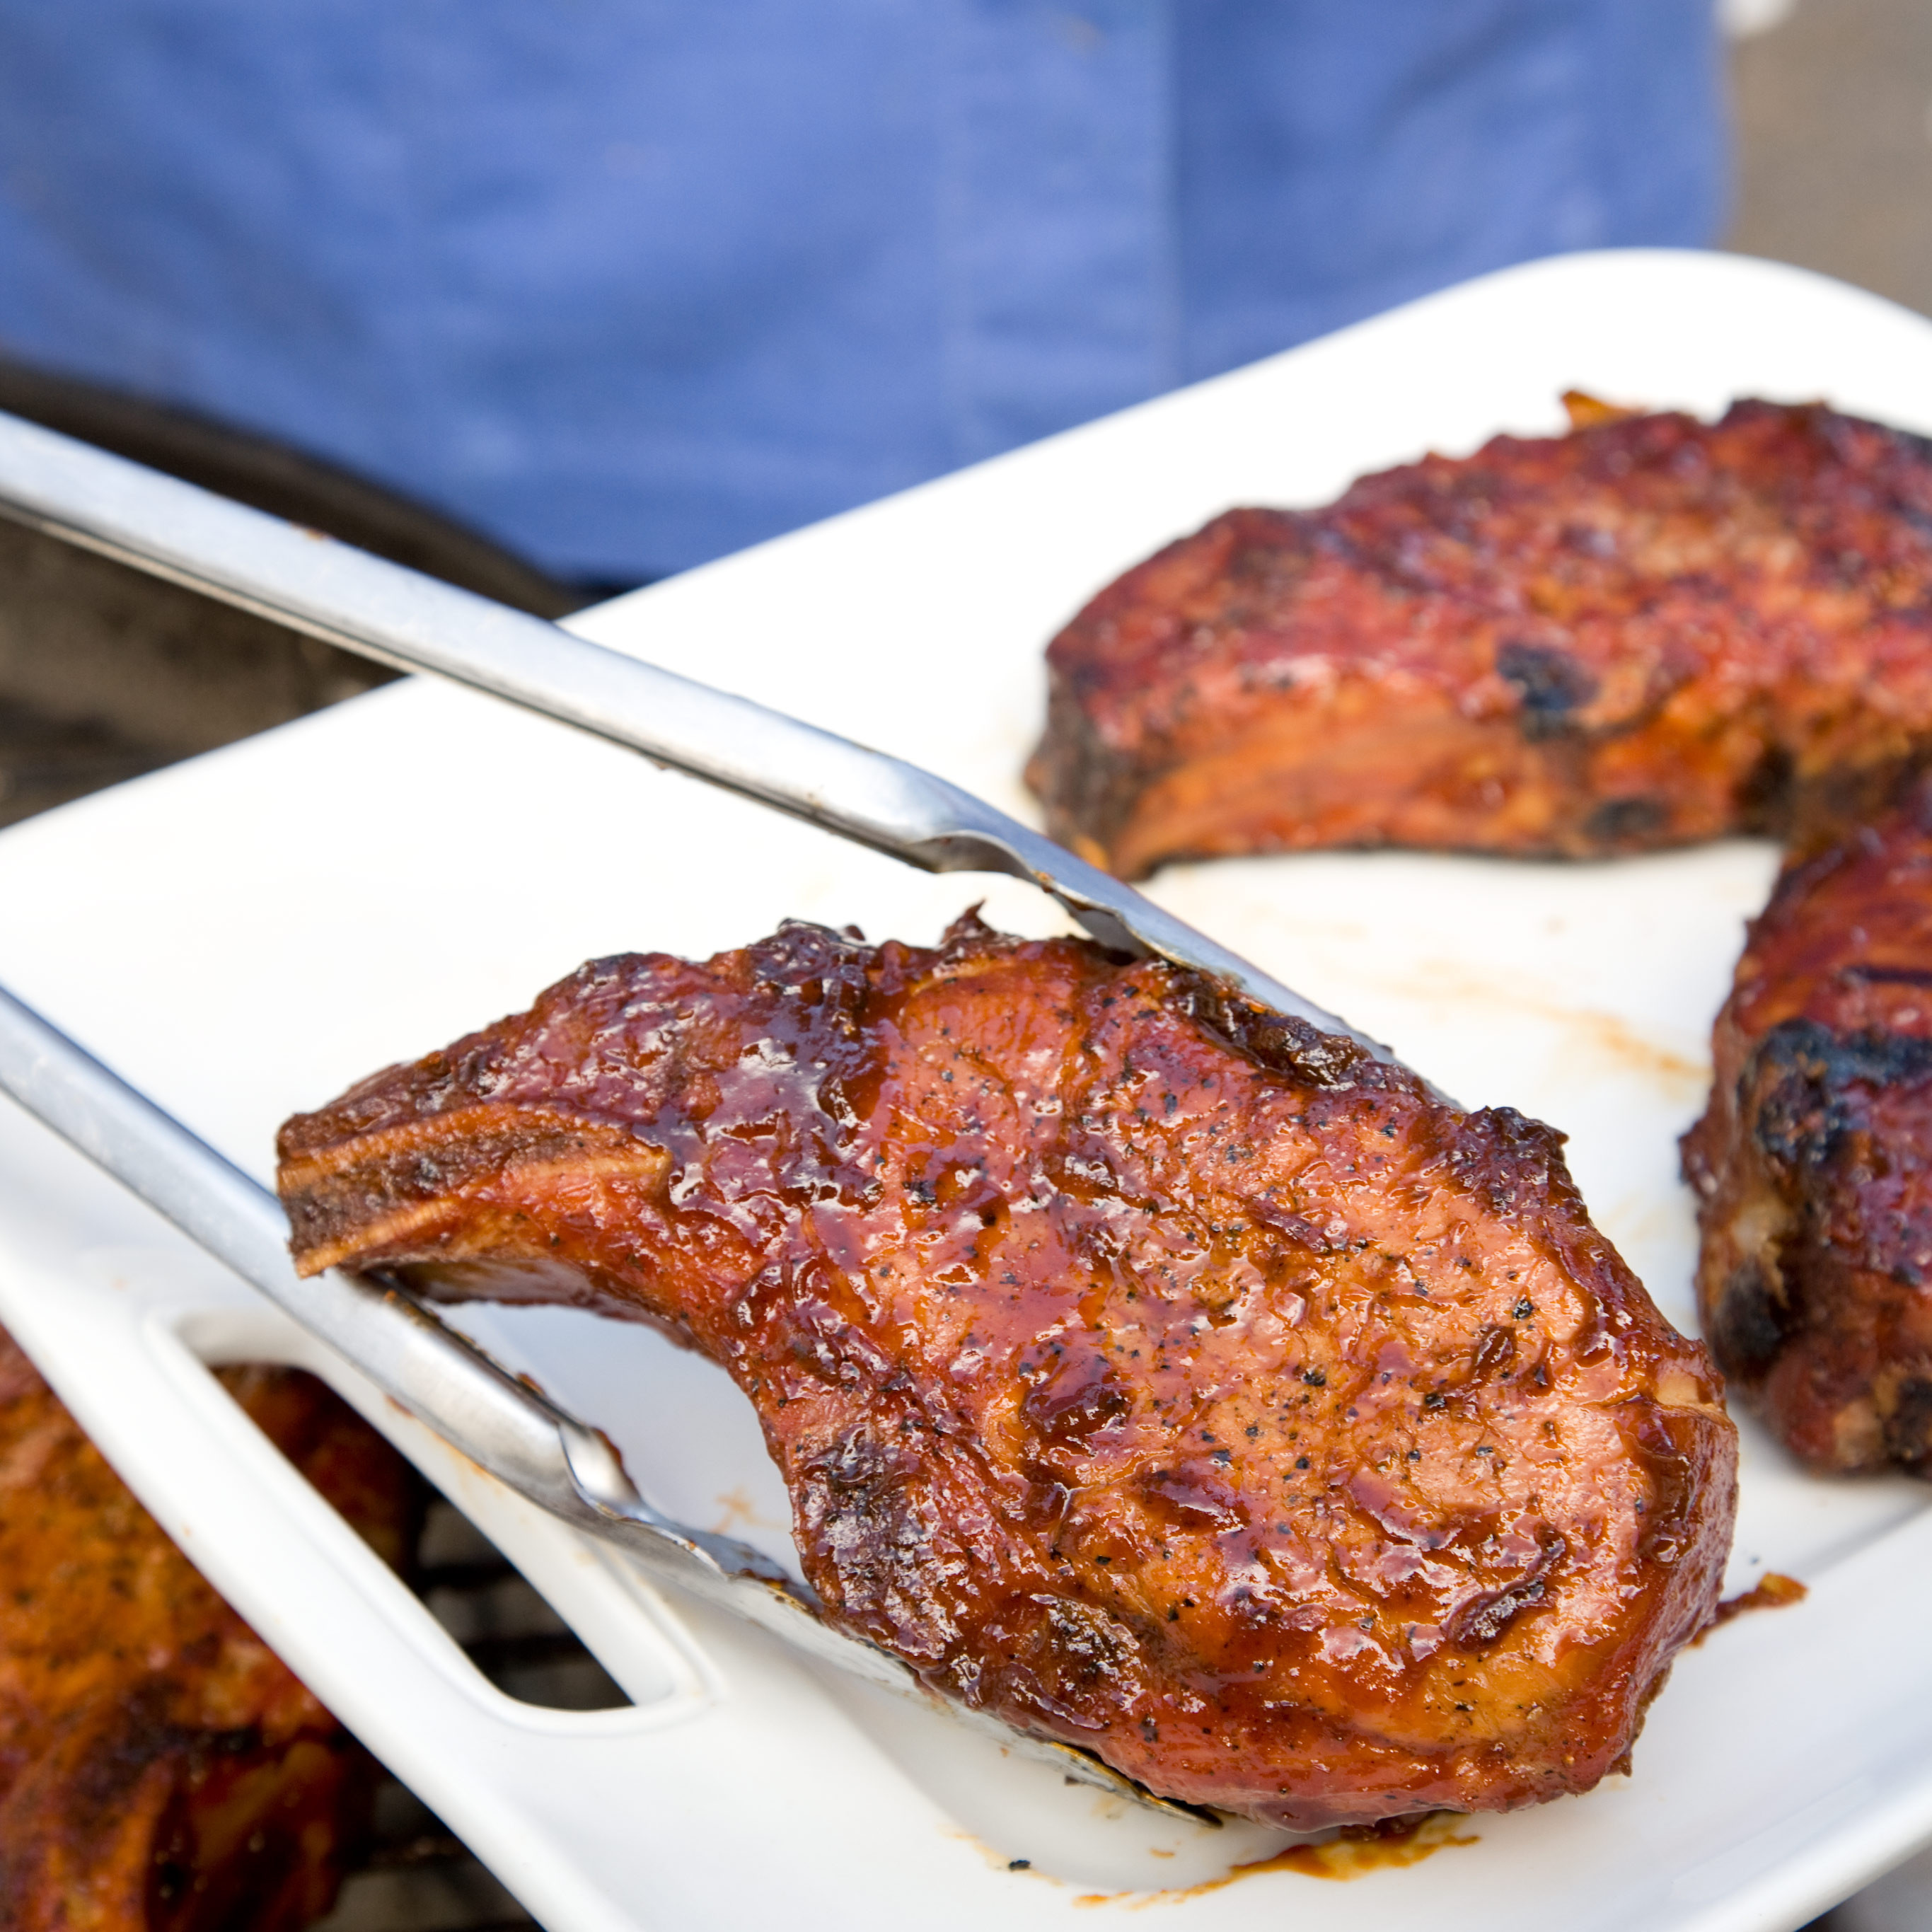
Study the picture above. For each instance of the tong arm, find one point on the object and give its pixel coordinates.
(378, 610)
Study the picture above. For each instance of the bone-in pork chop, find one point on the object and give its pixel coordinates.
(1652, 631)
(161, 1769)
(1157, 1374)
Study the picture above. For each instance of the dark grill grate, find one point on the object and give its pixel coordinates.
(419, 1877)
(511, 1635)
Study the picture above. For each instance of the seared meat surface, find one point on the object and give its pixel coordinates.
(161, 1769)
(1813, 1163)
(1651, 630)
(1162, 1375)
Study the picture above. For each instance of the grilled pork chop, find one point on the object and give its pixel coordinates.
(161, 1769)
(1652, 631)
(1158, 1374)
(1813, 1163)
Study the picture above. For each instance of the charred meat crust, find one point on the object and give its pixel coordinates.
(161, 1769)
(1159, 1375)
(1649, 631)
(1812, 1163)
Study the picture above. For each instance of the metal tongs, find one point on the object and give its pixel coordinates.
(378, 610)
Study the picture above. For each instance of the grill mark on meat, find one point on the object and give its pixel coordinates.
(1551, 686)
(1812, 1163)
(1620, 823)
(1800, 1079)
(1746, 1326)
(1908, 1422)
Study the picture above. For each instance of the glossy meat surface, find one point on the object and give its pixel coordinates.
(1651, 630)
(1160, 1375)
(1813, 1163)
(161, 1769)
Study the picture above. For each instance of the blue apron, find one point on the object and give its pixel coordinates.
(630, 283)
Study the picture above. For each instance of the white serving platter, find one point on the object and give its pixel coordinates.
(244, 934)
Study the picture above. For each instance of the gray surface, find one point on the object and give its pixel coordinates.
(1833, 107)
(1834, 116)
(105, 674)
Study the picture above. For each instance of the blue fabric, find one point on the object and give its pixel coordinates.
(630, 283)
